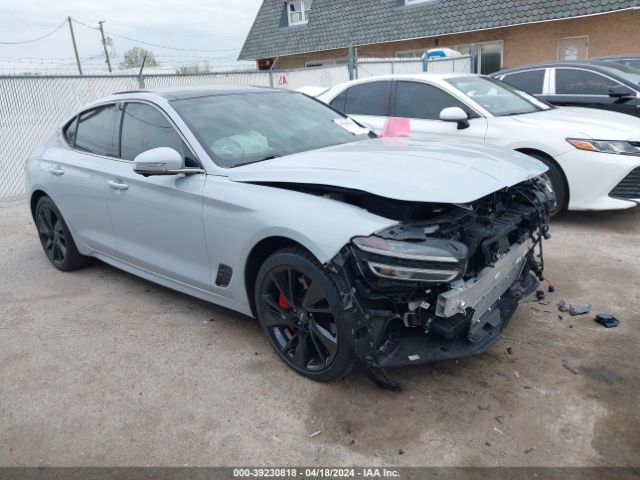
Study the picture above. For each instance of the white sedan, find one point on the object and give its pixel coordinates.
(593, 155)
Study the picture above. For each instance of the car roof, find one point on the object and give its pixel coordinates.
(616, 57)
(182, 93)
(418, 76)
(426, 76)
(590, 64)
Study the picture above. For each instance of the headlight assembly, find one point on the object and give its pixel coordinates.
(430, 261)
(413, 274)
(616, 147)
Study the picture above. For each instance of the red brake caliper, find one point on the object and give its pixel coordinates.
(283, 301)
(284, 304)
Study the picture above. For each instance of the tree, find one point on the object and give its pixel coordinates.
(134, 56)
(194, 68)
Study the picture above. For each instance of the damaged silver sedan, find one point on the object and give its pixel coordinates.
(344, 245)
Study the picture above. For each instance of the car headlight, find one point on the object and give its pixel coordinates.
(433, 260)
(605, 146)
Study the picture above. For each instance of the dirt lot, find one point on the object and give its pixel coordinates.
(98, 367)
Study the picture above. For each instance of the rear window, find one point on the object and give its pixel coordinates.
(95, 133)
(530, 82)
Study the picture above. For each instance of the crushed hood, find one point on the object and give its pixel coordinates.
(401, 169)
(585, 122)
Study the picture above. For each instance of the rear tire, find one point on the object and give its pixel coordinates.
(300, 312)
(555, 177)
(56, 238)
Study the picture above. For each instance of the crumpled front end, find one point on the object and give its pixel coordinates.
(445, 281)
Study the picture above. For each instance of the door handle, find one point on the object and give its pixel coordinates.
(116, 185)
(56, 171)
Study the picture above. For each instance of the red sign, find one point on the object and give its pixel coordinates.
(282, 81)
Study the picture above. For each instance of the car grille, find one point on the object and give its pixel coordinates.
(629, 187)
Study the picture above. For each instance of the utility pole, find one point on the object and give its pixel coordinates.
(75, 47)
(104, 44)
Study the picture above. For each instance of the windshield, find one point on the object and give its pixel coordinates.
(241, 128)
(625, 72)
(497, 97)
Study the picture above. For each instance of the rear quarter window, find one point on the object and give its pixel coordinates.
(69, 131)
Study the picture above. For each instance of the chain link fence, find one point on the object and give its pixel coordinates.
(33, 107)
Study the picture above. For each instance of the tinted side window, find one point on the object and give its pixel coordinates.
(340, 101)
(581, 82)
(70, 131)
(368, 99)
(96, 131)
(419, 100)
(144, 128)
(530, 82)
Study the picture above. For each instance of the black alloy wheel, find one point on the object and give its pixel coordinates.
(55, 237)
(299, 310)
(52, 235)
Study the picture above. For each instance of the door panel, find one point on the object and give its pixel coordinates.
(78, 174)
(158, 222)
(78, 190)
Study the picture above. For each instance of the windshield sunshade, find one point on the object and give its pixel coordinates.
(238, 129)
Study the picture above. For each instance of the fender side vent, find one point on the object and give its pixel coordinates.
(224, 275)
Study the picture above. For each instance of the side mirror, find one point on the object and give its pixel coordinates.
(161, 161)
(620, 91)
(455, 114)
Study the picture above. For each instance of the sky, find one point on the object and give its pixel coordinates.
(217, 26)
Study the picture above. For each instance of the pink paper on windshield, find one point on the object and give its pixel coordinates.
(396, 127)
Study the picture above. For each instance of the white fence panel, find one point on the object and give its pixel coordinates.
(316, 77)
(225, 78)
(374, 67)
(31, 108)
(450, 65)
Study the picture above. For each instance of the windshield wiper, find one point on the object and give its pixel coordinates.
(270, 157)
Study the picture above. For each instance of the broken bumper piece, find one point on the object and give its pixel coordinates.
(468, 319)
(481, 334)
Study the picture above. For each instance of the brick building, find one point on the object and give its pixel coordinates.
(501, 33)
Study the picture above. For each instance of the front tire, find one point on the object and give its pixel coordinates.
(555, 177)
(56, 238)
(300, 312)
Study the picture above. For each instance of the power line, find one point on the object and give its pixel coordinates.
(84, 24)
(35, 39)
(171, 48)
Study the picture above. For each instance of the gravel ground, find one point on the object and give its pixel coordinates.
(101, 368)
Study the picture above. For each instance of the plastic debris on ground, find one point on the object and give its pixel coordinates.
(607, 320)
(574, 310)
(579, 309)
(570, 367)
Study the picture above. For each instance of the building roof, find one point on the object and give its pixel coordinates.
(342, 23)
